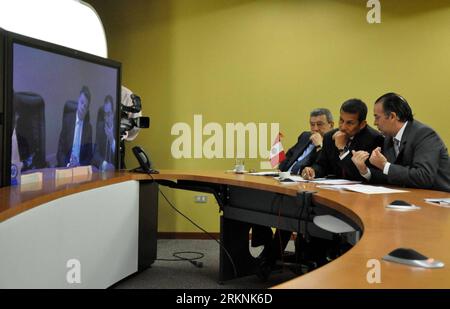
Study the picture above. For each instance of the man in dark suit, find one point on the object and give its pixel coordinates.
(303, 153)
(338, 145)
(413, 154)
(335, 159)
(105, 143)
(75, 139)
(309, 143)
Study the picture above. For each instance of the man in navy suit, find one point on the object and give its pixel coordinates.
(75, 139)
(309, 143)
(413, 154)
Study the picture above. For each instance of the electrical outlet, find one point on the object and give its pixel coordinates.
(201, 199)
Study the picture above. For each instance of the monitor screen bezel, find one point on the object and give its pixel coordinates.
(7, 41)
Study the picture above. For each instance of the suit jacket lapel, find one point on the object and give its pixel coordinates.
(405, 138)
(298, 152)
(389, 145)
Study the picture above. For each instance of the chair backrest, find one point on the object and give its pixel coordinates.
(30, 129)
(71, 107)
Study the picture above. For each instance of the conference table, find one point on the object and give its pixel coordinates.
(108, 223)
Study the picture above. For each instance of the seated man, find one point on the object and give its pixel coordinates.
(104, 155)
(309, 143)
(334, 159)
(75, 139)
(413, 154)
(303, 153)
(353, 134)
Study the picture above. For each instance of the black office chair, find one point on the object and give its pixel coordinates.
(70, 107)
(30, 129)
(307, 255)
(321, 237)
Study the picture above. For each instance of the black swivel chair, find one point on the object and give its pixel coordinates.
(30, 129)
(71, 107)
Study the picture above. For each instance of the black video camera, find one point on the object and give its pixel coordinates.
(126, 122)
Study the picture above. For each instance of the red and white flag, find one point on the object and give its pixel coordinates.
(277, 154)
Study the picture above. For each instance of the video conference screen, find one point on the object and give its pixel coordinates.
(65, 112)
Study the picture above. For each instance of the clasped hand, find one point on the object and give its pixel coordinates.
(376, 158)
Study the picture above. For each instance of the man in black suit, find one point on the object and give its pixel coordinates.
(75, 139)
(338, 145)
(303, 153)
(105, 143)
(413, 154)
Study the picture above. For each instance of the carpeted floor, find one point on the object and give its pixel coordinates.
(184, 275)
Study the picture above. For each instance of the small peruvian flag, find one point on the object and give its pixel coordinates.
(277, 152)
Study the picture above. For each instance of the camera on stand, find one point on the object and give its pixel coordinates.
(130, 122)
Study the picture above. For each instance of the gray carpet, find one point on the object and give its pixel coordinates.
(184, 275)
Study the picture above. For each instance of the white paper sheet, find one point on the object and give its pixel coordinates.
(269, 173)
(366, 189)
(334, 182)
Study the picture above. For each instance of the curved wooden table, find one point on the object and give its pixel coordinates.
(426, 230)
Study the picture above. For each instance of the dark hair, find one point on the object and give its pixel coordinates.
(86, 92)
(395, 103)
(355, 106)
(322, 111)
(109, 98)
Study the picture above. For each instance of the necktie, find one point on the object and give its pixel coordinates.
(396, 146)
(302, 160)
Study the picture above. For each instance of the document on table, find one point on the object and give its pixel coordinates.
(366, 189)
(322, 181)
(334, 181)
(267, 173)
(292, 178)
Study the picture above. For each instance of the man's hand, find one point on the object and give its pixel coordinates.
(377, 159)
(308, 173)
(359, 159)
(316, 139)
(340, 139)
